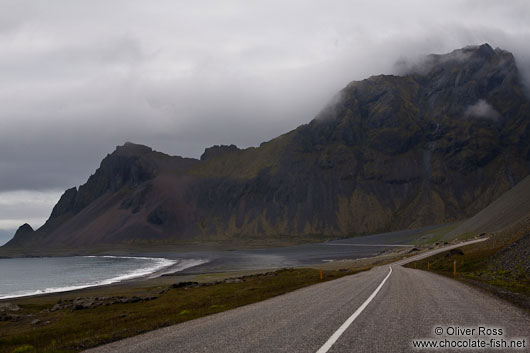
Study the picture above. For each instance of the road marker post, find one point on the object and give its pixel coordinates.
(454, 268)
(321, 275)
(428, 266)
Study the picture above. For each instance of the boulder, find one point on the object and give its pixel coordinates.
(4, 307)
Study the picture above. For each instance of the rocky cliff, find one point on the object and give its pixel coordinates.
(436, 144)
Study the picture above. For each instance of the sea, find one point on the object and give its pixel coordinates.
(30, 276)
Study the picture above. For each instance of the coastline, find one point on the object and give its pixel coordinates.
(183, 269)
(195, 263)
(164, 266)
(144, 304)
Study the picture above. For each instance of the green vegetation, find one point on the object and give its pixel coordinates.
(68, 330)
(24, 349)
(244, 164)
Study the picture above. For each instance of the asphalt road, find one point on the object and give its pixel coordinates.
(409, 305)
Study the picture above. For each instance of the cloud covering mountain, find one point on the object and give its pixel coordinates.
(80, 78)
(387, 153)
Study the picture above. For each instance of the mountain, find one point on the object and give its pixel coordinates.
(23, 232)
(511, 210)
(436, 144)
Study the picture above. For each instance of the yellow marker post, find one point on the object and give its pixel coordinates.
(321, 275)
(428, 266)
(454, 268)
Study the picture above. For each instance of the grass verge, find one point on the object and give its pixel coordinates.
(36, 328)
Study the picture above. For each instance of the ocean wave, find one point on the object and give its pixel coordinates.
(157, 265)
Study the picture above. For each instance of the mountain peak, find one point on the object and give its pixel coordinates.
(482, 59)
(130, 148)
(218, 150)
(25, 228)
(22, 235)
(484, 50)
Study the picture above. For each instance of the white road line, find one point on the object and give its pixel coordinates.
(348, 322)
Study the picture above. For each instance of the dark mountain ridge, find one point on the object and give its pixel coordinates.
(436, 144)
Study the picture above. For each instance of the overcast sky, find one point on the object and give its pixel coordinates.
(79, 78)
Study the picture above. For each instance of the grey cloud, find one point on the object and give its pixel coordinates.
(80, 78)
(482, 109)
(18, 207)
(6, 235)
